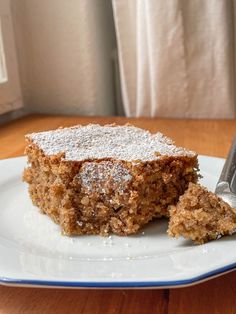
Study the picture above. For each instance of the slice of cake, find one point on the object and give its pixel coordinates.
(201, 216)
(106, 179)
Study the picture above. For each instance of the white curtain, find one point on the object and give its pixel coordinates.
(176, 57)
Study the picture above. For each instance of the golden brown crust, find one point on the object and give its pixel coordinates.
(201, 216)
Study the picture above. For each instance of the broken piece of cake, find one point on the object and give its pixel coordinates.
(201, 216)
(106, 179)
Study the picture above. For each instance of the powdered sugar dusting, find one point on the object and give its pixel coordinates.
(104, 176)
(94, 141)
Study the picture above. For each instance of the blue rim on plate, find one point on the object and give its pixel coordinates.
(133, 284)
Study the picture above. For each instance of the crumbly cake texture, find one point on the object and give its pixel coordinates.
(201, 216)
(106, 179)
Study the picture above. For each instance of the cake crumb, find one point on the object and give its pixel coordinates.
(201, 216)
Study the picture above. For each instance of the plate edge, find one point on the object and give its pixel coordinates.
(116, 284)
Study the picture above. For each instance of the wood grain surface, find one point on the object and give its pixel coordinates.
(209, 137)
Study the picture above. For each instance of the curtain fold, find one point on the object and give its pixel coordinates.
(176, 57)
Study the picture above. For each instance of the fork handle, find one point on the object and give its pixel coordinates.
(227, 176)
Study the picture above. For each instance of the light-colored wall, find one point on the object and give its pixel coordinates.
(64, 52)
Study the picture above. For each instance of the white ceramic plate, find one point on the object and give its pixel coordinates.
(34, 253)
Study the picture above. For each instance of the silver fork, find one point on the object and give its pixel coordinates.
(226, 186)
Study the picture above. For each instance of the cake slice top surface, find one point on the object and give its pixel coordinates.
(94, 141)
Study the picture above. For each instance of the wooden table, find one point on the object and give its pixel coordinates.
(210, 137)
